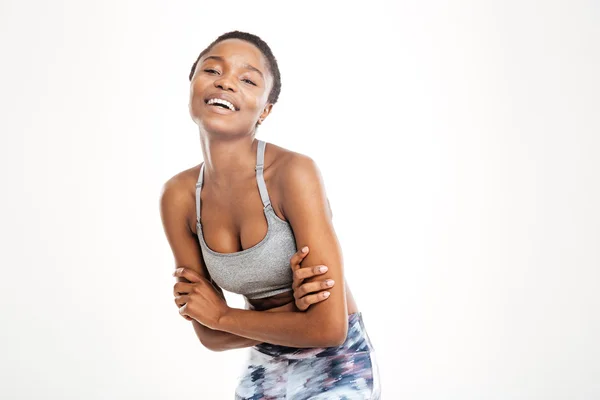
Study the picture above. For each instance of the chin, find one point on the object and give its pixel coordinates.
(220, 127)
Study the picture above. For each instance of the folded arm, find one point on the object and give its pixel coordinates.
(175, 206)
(216, 340)
(306, 207)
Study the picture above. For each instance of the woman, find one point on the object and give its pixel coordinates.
(220, 240)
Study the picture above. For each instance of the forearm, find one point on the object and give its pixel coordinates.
(220, 341)
(217, 340)
(295, 329)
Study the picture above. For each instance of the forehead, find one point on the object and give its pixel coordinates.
(238, 51)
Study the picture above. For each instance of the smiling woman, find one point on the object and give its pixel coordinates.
(254, 219)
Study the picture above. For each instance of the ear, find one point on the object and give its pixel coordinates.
(266, 111)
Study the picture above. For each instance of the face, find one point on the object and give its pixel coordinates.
(230, 88)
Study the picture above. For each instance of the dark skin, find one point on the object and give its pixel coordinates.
(233, 220)
(179, 215)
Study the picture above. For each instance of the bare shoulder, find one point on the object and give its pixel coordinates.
(177, 211)
(177, 193)
(297, 175)
(291, 165)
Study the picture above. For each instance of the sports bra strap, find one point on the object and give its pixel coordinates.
(198, 188)
(262, 187)
(260, 179)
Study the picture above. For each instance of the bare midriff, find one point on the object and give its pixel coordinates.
(288, 297)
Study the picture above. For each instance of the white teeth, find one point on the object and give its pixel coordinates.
(221, 101)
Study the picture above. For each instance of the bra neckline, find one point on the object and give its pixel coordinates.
(200, 233)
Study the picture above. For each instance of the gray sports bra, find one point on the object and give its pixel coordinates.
(262, 270)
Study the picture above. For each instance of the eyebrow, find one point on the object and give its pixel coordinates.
(247, 66)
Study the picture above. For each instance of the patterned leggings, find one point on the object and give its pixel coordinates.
(346, 372)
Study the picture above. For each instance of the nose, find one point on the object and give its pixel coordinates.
(224, 82)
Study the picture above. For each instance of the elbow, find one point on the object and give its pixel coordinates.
(210, 345)
(334, 336)
(206, 338)
(335, 340)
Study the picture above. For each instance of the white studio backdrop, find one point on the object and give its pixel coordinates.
(459, 146)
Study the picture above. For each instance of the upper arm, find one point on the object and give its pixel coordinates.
(175, 206)
(306, 207)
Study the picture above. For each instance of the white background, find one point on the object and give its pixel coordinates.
(459, 146)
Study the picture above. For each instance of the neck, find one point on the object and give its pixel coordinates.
(228, 160)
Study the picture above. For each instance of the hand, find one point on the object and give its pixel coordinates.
(302, 290)
(198, 299)
(178, 290)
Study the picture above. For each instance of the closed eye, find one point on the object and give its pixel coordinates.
(210, 70)
(249, 81)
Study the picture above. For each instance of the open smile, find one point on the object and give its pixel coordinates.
(221, 102)
(219, 109)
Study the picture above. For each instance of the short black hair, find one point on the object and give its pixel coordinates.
(262, 46)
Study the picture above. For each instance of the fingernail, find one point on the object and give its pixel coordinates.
(305, 249)
(323, 269)
(326, 294)
(329, 282)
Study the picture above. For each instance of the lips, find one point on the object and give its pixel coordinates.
(222, 96)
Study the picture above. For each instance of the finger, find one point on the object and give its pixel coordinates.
(182, 300)
(298, 257)
(307, 272)
(183, 310)
(188, 274)
(312, 287)
(306, 301)
(182, 288)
